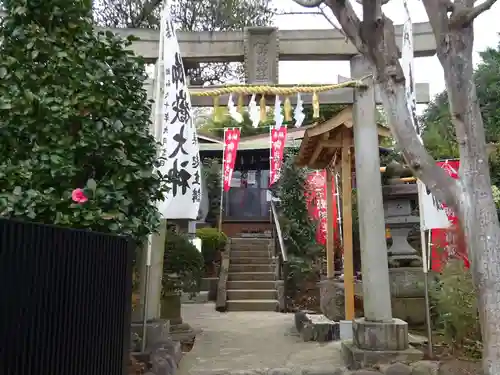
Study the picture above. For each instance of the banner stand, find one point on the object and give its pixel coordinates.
(425, 246)
(425, 257)
(222, 182)
(221, 210)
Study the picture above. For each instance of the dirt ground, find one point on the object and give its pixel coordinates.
(460, 367)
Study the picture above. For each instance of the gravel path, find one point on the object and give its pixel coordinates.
(251, 340)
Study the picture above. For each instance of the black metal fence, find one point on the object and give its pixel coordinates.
(65, 300)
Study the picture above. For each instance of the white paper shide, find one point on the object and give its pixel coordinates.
(180, 157)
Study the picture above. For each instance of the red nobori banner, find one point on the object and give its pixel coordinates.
(278, 142)
(316, 204)
(444, 240)
(231, 141)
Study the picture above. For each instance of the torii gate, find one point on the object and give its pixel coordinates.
(261, 49)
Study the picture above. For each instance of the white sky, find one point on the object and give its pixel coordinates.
(427, 69)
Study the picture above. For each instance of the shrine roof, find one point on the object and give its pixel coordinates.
(323, 141)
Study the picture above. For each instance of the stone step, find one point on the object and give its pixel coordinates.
(250, 254)
(251, 241)
(250, 276)
(252, 305)
(237, 267)
(250, 260)
(244, 294)
(251, 285)
(251, 244)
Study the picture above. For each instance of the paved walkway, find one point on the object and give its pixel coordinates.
(251, 340)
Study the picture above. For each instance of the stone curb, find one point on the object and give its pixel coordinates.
(417, 368)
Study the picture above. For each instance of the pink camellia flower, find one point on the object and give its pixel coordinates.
(79, 196)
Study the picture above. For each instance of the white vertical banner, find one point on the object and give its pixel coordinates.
(432, 213)
(408, 66)
(180, 156)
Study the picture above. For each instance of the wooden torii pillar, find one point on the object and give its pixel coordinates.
(329, 146)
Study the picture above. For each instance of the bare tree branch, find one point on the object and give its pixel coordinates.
(336, 27)
(350, 22)
(478, 10)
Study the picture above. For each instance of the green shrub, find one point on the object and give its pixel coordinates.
(455, 308)
(183, 266)
(300, 270)
(212, 241)
(299, 231)
(74, 115)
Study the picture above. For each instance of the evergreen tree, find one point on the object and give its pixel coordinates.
(74, 115)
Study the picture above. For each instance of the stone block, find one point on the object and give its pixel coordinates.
(169, 347)
(380, 335)
(163, 357)
(280, 289)
(356, 358)
(300, 317)
(317, 327)
(332, 299)
(156, 331)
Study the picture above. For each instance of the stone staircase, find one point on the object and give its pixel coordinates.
(251, 284)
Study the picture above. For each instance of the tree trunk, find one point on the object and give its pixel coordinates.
(479, 216)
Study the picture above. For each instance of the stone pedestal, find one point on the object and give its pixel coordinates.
(380, 336)
(377, 343)
(171, 308)
(408, 294)
(407, 282)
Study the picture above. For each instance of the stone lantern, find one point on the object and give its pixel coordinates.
(406, 275)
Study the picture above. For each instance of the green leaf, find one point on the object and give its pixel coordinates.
(3, 72)
(118, 125)
(18, 190)
(29, 96)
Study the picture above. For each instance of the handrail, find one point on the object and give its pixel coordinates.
(278, 231)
